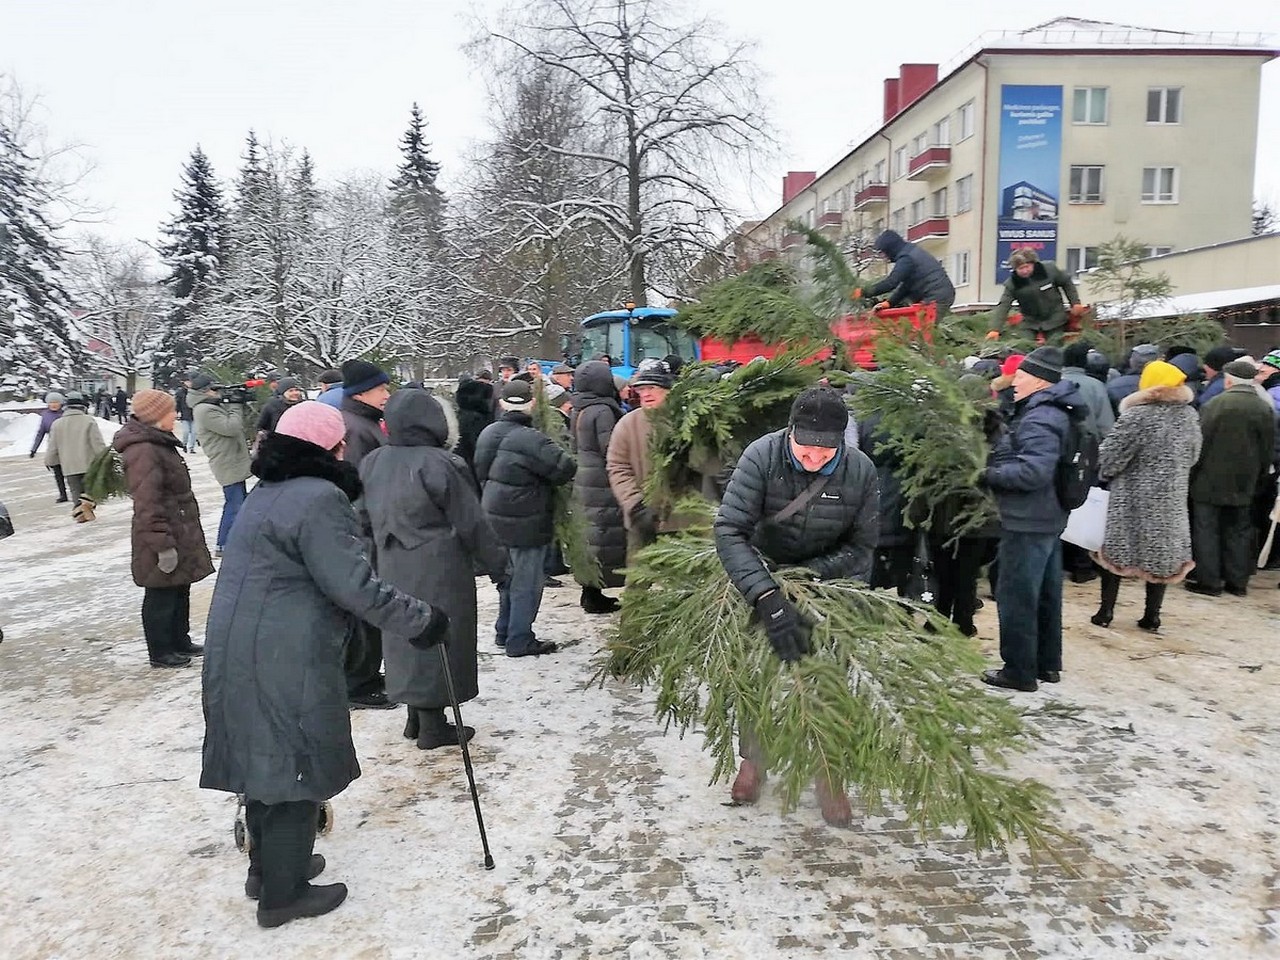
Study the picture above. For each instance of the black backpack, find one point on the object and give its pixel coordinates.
(1078, 464)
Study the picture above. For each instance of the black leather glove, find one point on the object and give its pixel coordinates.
(436, 630)
(788, 630)
(644, 523)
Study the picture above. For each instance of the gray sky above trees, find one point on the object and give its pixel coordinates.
(139, 82)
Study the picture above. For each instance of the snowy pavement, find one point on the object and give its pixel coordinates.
(608, 840)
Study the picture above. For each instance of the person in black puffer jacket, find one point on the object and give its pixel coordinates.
(917, 277)
(518, 468)
(832, 530)
(475, 412)
(596, 411)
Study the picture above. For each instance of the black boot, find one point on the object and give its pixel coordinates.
(253, 882)
(434, 731)
(1151, 613)
(1107, 608)
(594, 601)
(170, 659)
(312, 902)
(411, 724)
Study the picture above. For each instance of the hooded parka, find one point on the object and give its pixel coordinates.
(596, 412)
(277, 727)
(429, 532)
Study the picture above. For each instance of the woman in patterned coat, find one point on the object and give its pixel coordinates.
(1146, 461)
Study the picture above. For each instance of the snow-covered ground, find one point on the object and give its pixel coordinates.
(18, 432)
(609, 842)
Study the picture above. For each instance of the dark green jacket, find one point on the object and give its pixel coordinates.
(1239, 433)
(1039, 299)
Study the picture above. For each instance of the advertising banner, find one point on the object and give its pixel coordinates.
(1030, 172)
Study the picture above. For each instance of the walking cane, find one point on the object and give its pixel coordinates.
(466, 753)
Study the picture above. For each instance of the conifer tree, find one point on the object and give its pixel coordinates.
(36, 349)
(417, 203)
(194, 251)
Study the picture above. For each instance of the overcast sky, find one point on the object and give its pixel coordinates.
(140, 82)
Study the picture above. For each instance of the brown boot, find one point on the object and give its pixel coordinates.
(746, 787)
(83, 512)
(835, 804)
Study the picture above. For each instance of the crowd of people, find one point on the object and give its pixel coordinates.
(375, 511)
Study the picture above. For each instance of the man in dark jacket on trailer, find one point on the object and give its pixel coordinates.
(798, 497)
(1039, 289)
(917, 277)
(1022, 473)
(365, 392)
(519, 467)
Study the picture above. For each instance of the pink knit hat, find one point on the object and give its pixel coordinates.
(313, 422)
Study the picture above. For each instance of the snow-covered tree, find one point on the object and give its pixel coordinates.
(36, 349)
(417, 204)
(193, 251)
(536, 258)
(675, 104)
(120, 309)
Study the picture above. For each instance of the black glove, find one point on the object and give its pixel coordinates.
(436, 630)
(644, 523)
(31, 455)
(788, 631)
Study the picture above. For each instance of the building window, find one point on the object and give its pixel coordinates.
(878, 226)
(1080, 259)
(808, 218)
(917, 210)
(938, 203)
(964, 194)
(877, 175)
(966, 121)
(899, 163)
(831, 204)
(1089, 105)
(942, 132)
(1160, 185)
(1156, 251)
(920, 144)
(960, 269)
(1085, 185)
(1164, 105)
(898, 220)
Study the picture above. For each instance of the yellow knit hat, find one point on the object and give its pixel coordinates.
(1157, 373)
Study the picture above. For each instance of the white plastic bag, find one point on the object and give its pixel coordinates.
(1087, 525)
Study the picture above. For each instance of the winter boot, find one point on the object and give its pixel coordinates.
(594, 601)
(1107, 606)
(411, 724)
(253, 882)
(170, 659)
(746, 787)
(312, 902)
(1151, 614)
(434, 731)
(834, 803)
(83, 512)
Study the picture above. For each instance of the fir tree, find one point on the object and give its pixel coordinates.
(36, 349)
(417, 204)
(194, 250)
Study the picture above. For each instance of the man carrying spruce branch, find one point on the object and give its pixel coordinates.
(798, 497)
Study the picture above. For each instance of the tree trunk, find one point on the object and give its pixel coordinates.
(131, 382)
(635, 223)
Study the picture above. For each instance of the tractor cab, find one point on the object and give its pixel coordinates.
(630, 335)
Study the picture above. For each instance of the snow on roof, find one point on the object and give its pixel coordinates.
(1194, 302)
(1076, 31)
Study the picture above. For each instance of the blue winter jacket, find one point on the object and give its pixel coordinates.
(1211, 390)
(1023, 466)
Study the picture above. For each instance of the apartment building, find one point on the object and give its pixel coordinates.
(1059, 137)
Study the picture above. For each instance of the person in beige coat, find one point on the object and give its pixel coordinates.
(74, 442)
(628, 460)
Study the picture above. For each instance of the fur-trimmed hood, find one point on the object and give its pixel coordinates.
(1175, 395)
(282, 458)
(415, 418)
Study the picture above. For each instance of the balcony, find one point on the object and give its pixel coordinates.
(929, 163)
(792, 240)
(871, 195)
(934, 228)
(831, 220)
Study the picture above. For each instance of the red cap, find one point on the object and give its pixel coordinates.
(1011, 365)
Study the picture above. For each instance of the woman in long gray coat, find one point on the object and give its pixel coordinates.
(1146, 461)
(596, 412)
(277, 728)
(429, 535)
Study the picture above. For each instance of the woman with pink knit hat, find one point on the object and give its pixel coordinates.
(277, 728)
(169, 552)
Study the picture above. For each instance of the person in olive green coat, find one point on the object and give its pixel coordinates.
(1039, 289)
(74, 442)
(1238, 426)
(220, 429)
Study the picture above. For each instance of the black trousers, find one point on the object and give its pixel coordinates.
(60, 480)
(893, 567)
(956, 570)
(1222, 543)
(362, 660)
(282, 836)
(166, 619)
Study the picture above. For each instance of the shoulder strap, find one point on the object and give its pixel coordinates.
(802, 501)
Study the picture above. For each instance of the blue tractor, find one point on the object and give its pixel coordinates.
(630, 335)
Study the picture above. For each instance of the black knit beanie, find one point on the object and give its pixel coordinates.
(361, 375)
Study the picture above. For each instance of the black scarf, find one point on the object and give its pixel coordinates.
(282, 457)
